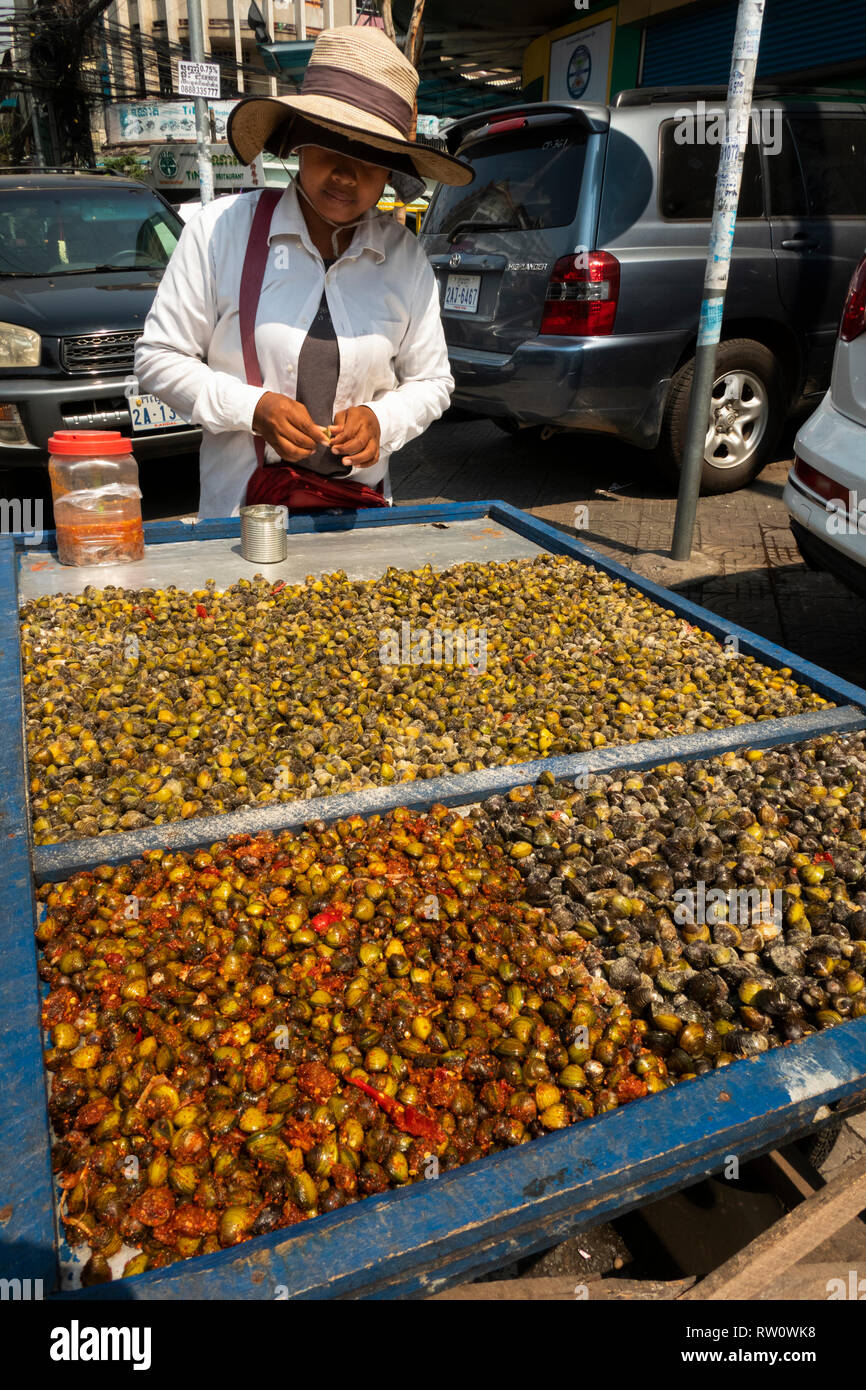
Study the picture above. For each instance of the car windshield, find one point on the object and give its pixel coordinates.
(69, 231)
(523, 179)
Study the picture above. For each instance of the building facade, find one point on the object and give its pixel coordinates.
(145, 38)
(611, 44)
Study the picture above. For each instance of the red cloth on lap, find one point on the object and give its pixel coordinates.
(300, 490)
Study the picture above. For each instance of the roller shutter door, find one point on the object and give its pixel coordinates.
(798, 35)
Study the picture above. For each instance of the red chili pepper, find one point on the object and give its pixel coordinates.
(280, 585)
(323, 920)
(824, 857)
(201, 611)
(405, 1117)
(138, 1036)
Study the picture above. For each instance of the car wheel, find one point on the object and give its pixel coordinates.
(746, 416)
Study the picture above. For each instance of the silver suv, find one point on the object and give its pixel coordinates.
(571, 269)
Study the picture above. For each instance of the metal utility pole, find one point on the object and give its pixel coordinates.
(202, 119)
(738, 108)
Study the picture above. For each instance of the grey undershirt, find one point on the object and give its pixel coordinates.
(318, 374)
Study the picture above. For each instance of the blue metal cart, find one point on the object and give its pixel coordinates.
(420, 1239)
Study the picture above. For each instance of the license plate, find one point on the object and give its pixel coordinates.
(150, 413)
(461, 293)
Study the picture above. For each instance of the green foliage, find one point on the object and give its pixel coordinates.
(129, 165)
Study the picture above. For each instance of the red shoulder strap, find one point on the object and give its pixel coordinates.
(252, 275)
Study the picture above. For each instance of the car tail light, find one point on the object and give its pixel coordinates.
(819, 483)
(582, 295)
(854, 314)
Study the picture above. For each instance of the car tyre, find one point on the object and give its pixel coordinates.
(749, 407)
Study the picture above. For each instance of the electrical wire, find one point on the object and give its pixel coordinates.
(132, 57)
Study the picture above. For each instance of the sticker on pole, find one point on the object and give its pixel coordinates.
(198, 80)
(710, 328)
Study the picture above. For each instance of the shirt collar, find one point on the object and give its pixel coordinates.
(288, 220)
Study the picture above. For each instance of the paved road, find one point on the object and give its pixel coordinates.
(752, 569)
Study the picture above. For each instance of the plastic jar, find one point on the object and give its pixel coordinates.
(97, 500)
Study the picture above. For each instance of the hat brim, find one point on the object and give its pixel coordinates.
(255, 119)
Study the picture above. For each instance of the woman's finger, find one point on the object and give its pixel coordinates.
(357, 439)
(366, 455)
(289, 433)
(292, 449)
(347, 425)
(295, 422)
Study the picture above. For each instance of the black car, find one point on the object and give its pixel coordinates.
(571, 269)
(81, 256)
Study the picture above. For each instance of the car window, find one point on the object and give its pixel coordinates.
(833, 156)
(785, 179)
(528, 179)
(687, 178)
(64, 231)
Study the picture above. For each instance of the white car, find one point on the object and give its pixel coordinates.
(826, 489)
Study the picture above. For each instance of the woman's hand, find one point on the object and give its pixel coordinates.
(287, 427)
(356, 437)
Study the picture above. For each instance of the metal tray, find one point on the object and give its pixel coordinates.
(420, 1239)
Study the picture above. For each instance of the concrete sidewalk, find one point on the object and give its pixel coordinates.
(746, 567)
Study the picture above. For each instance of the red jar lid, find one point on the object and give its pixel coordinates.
(81, 443)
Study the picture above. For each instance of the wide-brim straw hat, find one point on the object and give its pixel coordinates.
(357, 84)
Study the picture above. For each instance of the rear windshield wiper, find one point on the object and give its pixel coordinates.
(484, 227)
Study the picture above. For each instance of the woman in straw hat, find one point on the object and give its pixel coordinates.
(302, 330)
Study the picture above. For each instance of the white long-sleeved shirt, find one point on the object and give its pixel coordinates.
(384, 306)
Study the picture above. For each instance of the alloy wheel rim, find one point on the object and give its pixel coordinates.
(739, 414)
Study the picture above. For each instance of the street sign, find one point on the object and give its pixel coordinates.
(198, 80)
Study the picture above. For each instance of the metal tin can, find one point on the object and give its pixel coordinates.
(264, 533)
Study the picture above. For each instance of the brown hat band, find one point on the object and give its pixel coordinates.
(321, 79)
